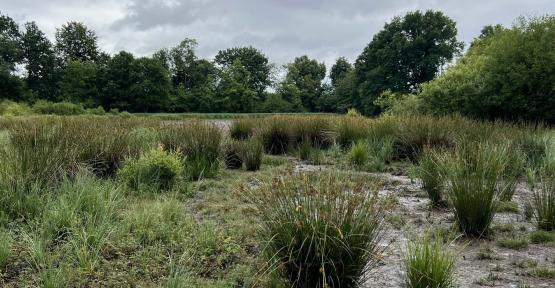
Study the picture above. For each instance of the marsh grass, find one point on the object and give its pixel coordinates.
(242, 129)
(429, 263)
(359, 154)
(200, 144)
(233, 151)
(320, 230)
(6, 242)
(474, 173)
(543, 202)
(350, 130)
(431, 171)
(251, 153)
(276, 136)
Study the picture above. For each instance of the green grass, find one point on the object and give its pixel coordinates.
(317, 235)
(539, 237)
(430, 171)
(513, 243)
(429, 263)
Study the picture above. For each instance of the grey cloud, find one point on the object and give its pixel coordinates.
(283, 29)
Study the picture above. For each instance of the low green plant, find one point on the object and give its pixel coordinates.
(474, 172)
(540, 236)
(251, 153)
(513, 243)
(429, 263)
(359, 154)
(152, 171)
(320, 230)
(60, 108)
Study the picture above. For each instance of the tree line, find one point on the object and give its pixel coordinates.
(403, 65)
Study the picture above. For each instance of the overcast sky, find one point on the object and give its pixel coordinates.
(282, 29)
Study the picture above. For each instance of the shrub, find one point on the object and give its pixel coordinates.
(352, 112)
(200, 145)
(242, 129)
(474, 172)
(61, 108)
(430, 172)
(10, 108)
(96, 111)
(252, 154)
(322, 230)
(233, 155)
(429, 263)
(490, 81)
(358, 154)
(155, 170)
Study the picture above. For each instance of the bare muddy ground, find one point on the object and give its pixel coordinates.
(480, 263)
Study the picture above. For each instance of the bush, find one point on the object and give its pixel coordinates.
(358, 154)
(153, 171)
(491, 81)
(430, 172)
(10, 108)
(252, 154)
(61, 108)
(200, 145)
(233, 155)
(474, 172)
(429, 263)
(322, 230)
(96, 111)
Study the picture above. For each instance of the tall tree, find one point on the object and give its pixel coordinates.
(339, 70)
(11, 54)
(254, 61)
(234, 92)
(150, 86)
(40, 62)
(79, 84)
(306, 75)
(406, 53)
(75, 42)
(117, 82)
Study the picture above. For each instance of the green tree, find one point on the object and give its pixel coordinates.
(509, 75)
(306, 75)
(406, 53)
(234, 92)
(75, 42)
(79, 84)
(117, 82)
(254, 61)
(339, 70)
(150, 86)
(40, 62)
(11, 54)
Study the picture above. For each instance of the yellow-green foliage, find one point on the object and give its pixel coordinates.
(154, 170)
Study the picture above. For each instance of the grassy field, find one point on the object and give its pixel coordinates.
(276, 201)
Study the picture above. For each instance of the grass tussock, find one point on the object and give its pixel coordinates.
(474, 173)
(430, 171)
(429, 263)
(252, 152)
(200, 144)
(320, 230)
